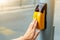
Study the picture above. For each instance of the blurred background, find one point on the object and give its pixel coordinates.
(13, 4)
(16, 15)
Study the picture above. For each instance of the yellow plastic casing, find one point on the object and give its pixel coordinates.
(40, 17)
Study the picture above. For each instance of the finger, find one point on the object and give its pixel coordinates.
(32, 31)
(32, 24)
(30, 35)
(35, 25)
(36, 33)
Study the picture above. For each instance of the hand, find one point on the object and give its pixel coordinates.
(31, 33)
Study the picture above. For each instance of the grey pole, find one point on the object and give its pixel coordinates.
(48, 34)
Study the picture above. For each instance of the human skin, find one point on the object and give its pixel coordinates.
(31, 33)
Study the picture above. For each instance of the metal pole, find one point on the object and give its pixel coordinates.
(48, 34)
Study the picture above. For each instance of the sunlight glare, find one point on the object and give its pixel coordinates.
(3, 1)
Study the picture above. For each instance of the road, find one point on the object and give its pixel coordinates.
(14, 24)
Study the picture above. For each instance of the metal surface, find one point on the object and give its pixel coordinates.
(49, 32)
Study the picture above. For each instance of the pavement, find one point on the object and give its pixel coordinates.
(14, 23)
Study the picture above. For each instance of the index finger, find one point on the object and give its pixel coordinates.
(33, 24)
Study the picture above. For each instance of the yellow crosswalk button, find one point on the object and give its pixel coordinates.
(40, 16)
